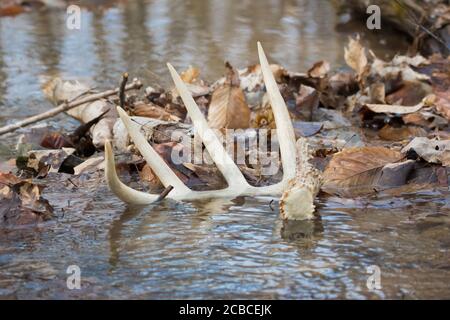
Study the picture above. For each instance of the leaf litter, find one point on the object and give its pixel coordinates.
(376, 127)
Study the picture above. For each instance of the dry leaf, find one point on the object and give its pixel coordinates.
(409, 94)
(148, 176)
(90, 165)
(357, 170)
(390, 133)
(152, 111)
(228, 108)
(387, 108)
(425, 119)
(319, 69)
(190, 75)
(434, 151)
(443, 103)
(355, 57)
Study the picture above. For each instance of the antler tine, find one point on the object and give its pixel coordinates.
(221, 158)
(285, 130)
(159, 167)
(123, 192)
(237, 185)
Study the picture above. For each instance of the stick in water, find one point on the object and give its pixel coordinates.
(164, 193)
(67, 106)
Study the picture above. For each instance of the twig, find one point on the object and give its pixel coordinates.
(67, 106)
(164, 193)
(122, 90)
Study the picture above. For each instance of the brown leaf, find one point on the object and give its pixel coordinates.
(152, 111)
(208, 174)
(425, 119)
(377, 92)
(21, 201)
(52, 159)
(228, 108)
(434, 151)
(8, 179)
(357, 170)
(443, 103)
(397, 109)
(319, 69)
(306, 102)
(165, 151)
(190, 75)
(56, 140)
(409, 94)
(355, 57)
(147, 175)
(263, 119)
(390, 133)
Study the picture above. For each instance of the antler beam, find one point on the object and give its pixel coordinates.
(237, 185)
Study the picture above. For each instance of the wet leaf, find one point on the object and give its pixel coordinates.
(358, 170)
(166, 150)
(307, 129)
(21, 202)
(52, 159)
(8, 179)
(208, 175)
(56, 140)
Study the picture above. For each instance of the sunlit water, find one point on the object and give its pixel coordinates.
(217, 249)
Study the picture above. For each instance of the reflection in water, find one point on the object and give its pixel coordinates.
(141, 36)
(302, 230)
(115, 233)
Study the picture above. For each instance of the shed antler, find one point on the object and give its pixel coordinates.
(237, 185)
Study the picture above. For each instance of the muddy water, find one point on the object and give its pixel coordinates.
(235, 248)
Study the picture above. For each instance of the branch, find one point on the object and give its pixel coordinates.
(67, 106)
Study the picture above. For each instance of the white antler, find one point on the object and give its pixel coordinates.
(237, 185)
